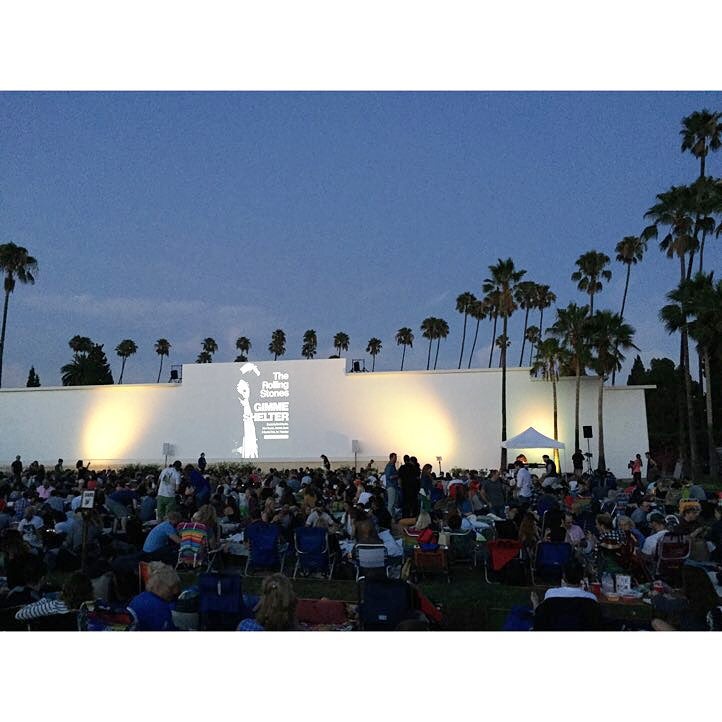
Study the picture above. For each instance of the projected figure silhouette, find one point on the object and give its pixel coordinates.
(249, 446)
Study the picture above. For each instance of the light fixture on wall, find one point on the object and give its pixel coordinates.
(438, 458)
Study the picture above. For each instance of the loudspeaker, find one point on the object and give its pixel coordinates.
(587, 432)
(174, 375)
(356, 367)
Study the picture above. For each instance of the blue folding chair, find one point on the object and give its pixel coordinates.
(549, 561)
(384, 603)
(312, 553)
(264, 547)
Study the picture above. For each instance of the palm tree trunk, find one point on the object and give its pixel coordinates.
(436, 358)
(523, 338)
(2, 334)
(591, 305)
(160, 370)
(122, 369)
(601, 460)
(473, 345)
(713, 461)
(403, 355)
(463, 339)
(576, 404)
(701, 251)
(428, 357)
(541, 333)
(681, 425)
(373, 362)
(694, 461)
(556, 426)
(621, 313)
(503, 398)
(493, 341)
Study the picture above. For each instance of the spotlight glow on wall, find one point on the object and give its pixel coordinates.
(112, 426)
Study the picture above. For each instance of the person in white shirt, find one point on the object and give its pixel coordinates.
(523, 482)
(659, 529)
(571, 585)
(30, 519)
(168, 483)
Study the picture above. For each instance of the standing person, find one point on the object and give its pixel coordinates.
(410, 486)
(59, 467)
(426, 481)
(636, 467)
(201, 485)
(17, 468)
(392, 482)
(168, 483)
(494, 493)
(652, 468)
(202, 463)
(523, 483)
(578, 462)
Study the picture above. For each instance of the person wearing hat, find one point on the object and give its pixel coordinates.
(659, 528)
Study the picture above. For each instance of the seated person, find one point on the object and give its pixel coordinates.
(76, 590)
(161, 544)
(625, 524)
(607, 535)
(659, 528)
(153, 608)
(276, 609)
(319, 518)
(528, 533)
(147, 507)
(30, 518)
(379, 513)
(714, 535)
(574, 534)
(422, 529)
(25, 575)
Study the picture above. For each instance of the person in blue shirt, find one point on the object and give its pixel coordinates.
(153, 608)
(201, 485)
(162, 542)
(392, 483)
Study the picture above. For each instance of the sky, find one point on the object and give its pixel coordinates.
(186, 215)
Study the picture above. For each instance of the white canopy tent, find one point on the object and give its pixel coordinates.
(531, 439)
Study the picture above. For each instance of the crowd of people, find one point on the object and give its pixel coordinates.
(50, 527)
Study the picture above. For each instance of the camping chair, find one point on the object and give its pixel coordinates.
(549, 560)
(370, 560)
(462, 547)
(194, 550)
(699, 588)
(431, 562)
(100, 616)
(312, 554)
(383, 603)
(672, 551)
(264, 547)
(221, 606)
(500, 553)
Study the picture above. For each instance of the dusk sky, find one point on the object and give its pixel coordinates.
(185, 215)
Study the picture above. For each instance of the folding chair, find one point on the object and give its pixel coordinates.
(194, 549)
(462, 547)
(431, 562)
(370, 560)
(312, 552)
(221, 605)
(100, 616)
(549, 561)
(383, 603)
(672, 551)
(500, 553)
(263, 547)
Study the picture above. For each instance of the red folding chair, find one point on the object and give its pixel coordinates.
(500, 553)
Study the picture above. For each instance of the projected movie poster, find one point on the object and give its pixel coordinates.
(264, 401)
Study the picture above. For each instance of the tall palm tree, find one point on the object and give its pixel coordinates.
(533, 336)
(571, 328)
(478, 312)
(341, 342)
(704, 301)
(80, 344)
(550, 358)
(491, 301)
(545, 297)
(404, 337)
(278, 343)
(502, 343)
(374, 349)
(464, 303)
(16, 264)
(609, 336)
(525, 295)
(243, 346)
(591, 271)
(210, 347)
(428, 330)
(310, 344)
(504, 278)
(701, 132)
(630, 251)
(707, 199)
(162, 348)
(125, 349)
(441, 331)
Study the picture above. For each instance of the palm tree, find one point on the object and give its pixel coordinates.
(441, 331)
(162, 348)
(502, 343)
(204, 357)
(404, 337)
(550, 358)
(210, 347)
(590, 274)
(571, 328)
(16, 264)
(478, 313)
(701, 132)
(125, 349)
(504, 279)
(491, 301)
(373, 348)
(532, 336)
(80, 344)
(341, 342)
(704, 300)
(428, 330)
(707, 199)
(464, 303)
(278, 343)
(630, 251)
(526, 296)
(88, 367)
(544, 299)
(243, 346)
(310, 344)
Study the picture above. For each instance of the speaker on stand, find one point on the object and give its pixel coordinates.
(587, 431)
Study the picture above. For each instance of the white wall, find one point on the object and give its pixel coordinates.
(453, 414)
